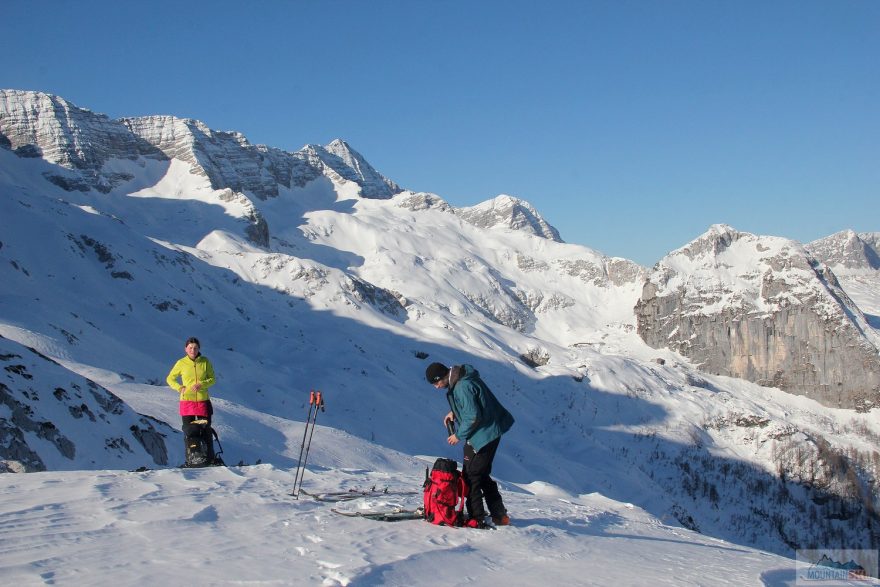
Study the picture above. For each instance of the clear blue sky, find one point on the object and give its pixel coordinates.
(631, 125)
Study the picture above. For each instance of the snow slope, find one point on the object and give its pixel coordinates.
(232, 526)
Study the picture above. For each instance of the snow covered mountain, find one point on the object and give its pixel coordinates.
(510, 212)
(848, 251)
(855, 259)
(310, 270)
(763, 309)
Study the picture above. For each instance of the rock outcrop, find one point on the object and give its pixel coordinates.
(51, 418)
(765, 310)
(848, 250)
(37, 125)
(509, 212)
(227, 159)
(339, 157)
(81, 144)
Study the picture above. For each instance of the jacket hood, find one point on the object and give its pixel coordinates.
(459, 372)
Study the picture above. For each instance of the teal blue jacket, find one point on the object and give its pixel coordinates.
(479, 415)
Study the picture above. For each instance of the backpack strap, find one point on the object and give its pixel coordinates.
(217, 438)
(218, 460)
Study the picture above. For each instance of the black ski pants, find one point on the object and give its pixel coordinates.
(191, 431)
(190, 419)
(476, 469)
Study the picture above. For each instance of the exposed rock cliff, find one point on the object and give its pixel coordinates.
(763, 309)
(509, 212)
(349, 164)
(848, 250)
(227, 159)
(43, 126)
(82, 143)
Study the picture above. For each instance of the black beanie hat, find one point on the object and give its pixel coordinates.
(435, 372)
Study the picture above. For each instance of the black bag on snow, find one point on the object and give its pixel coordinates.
(198, 438)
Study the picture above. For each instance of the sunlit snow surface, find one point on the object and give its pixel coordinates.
(233, 526)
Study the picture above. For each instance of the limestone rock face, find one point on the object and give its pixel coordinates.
(36, 125)
(509, 212)
(83, 145)
(227, 159)
(348, 163)
(765, 310)
(848, 250)
(855, 260)
(416, 201)
(49, 127)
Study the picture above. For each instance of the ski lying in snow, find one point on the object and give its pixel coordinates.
(184, 466)
(395, 515)
(336, 496)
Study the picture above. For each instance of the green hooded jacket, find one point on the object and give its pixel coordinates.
(480, 416)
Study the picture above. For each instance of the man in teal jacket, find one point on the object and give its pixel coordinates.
(480, 421)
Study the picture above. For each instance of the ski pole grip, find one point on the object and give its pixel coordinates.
(312, 397)
(450, 427)
(321, 400)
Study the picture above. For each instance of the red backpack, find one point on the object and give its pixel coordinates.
(445, 494)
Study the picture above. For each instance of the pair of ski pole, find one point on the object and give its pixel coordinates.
(316, 401)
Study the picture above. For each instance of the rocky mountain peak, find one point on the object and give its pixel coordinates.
(711, 243)
(80, 142)
(226, 158)
(848, 250)
(343, 150)
(763, 309)
(39, 125)
(509, 212)
(416, 201)
(340, 158)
